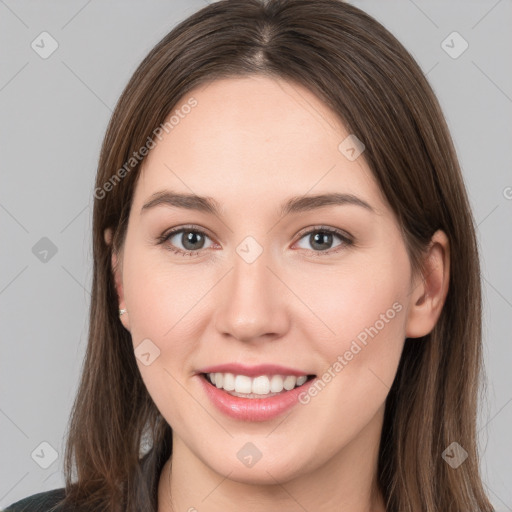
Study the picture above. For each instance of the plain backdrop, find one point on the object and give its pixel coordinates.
(53, 115)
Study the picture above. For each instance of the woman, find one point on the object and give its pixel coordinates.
(286, 300)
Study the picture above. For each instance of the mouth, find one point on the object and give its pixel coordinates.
(258, 387)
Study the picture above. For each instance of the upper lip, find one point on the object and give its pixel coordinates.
(252, 371)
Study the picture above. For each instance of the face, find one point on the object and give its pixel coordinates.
(320, 290)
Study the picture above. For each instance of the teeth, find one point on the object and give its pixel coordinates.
(229, 381)
(289, 382)
(243, 384)
(261, 385)
(276, 384)
(301, 380)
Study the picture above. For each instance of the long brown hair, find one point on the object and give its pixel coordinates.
(361, 71)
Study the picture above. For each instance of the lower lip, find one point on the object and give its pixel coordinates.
(253, 409)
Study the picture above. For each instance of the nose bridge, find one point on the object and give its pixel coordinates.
(251, 305)
(250, 276)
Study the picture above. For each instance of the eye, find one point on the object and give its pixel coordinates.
(321, 238)
(191, 239)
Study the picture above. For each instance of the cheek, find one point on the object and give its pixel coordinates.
(363, 311)
(160, 304)
(352, 300)
(160, 300)
(360, 361)
(158, 294)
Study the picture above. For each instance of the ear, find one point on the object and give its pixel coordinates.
(429, 291)
(116, 266)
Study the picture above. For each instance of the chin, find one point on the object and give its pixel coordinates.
(281, 467)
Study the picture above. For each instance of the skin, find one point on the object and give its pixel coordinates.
(251, 143)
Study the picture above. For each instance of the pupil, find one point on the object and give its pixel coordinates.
(321, 236)
(191, 238)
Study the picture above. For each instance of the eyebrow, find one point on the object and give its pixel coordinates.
(296, 204)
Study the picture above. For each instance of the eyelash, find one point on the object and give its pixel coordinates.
(346, 240)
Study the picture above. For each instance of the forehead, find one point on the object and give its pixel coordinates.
(252, 139)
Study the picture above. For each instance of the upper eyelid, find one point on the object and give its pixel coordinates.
(335, 231)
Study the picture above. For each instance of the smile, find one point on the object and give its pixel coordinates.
(258, 393)
(255, 387)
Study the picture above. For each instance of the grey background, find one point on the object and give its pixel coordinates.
(53, 114)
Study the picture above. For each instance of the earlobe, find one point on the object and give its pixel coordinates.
(429, 294)
(107, 235)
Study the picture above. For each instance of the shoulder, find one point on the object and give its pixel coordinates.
(41, 502)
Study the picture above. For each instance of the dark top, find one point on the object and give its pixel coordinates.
(40, 502)
(145, 482)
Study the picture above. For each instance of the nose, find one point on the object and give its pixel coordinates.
(252, 301)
